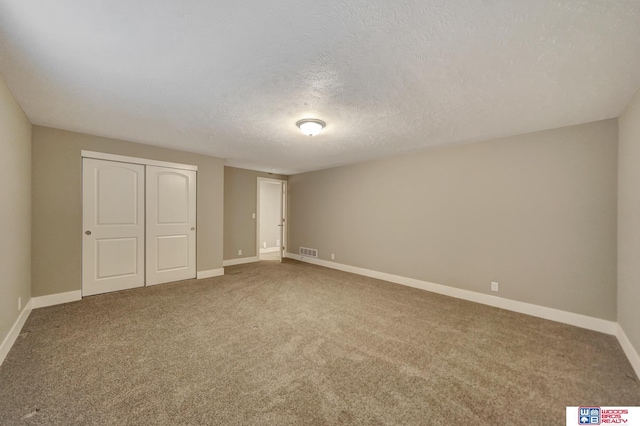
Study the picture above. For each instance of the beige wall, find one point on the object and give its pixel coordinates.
(535, 212)
(629, 222)
(57, 204)
(15, 209)
(240, 201)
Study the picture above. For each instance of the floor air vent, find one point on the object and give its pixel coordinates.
(309, 252)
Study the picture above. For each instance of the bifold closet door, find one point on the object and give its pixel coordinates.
(171, 224)
(113, 226)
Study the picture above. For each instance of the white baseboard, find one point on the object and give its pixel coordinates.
(13, 334)
(596, 324)
(591, 323)
(629, 350)
(56, 299)
(210, 273)
(35, 303)
(240, 261)
(269, 249)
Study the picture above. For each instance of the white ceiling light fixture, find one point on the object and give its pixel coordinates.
(310, 126)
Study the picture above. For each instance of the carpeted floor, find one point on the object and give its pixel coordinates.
(296, 344)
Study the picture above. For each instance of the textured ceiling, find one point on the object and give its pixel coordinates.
(231, 78)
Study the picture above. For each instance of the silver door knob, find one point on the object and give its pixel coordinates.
(87, 232)
(193, 229)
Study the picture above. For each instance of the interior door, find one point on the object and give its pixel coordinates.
(171, 224)
(113, 226)
(283, 225)
(270, 227)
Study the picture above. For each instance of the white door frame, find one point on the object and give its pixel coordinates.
(283, 186)
(285, 217)
(135, 160)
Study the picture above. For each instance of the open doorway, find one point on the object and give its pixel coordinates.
(271, 221)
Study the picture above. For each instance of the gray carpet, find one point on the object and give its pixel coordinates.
(296, 344)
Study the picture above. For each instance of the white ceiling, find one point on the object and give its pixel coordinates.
(231, 78)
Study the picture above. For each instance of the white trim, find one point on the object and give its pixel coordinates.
(55, 299)
(271, 180)
(136, 160)
(13, 334)
(578, 320)
(269, 249)
(629, 350)
(240, 261)
(210, 273)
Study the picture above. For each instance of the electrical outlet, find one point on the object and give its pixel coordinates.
(333, 256)
(239, 252)
(494, 286)
(253, 215)
(19, 303)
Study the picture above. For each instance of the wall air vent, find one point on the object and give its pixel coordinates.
(309, 252)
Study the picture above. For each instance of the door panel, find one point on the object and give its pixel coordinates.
(173, 198)
(113, 226)
(173, 252)
(117, 196)
(116, 257)
(171, 221)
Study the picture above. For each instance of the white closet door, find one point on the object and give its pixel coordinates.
(113, 221)
(171, 222)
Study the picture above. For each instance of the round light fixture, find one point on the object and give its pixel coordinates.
(311, 126)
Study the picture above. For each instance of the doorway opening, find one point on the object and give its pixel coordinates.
(271, 223)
